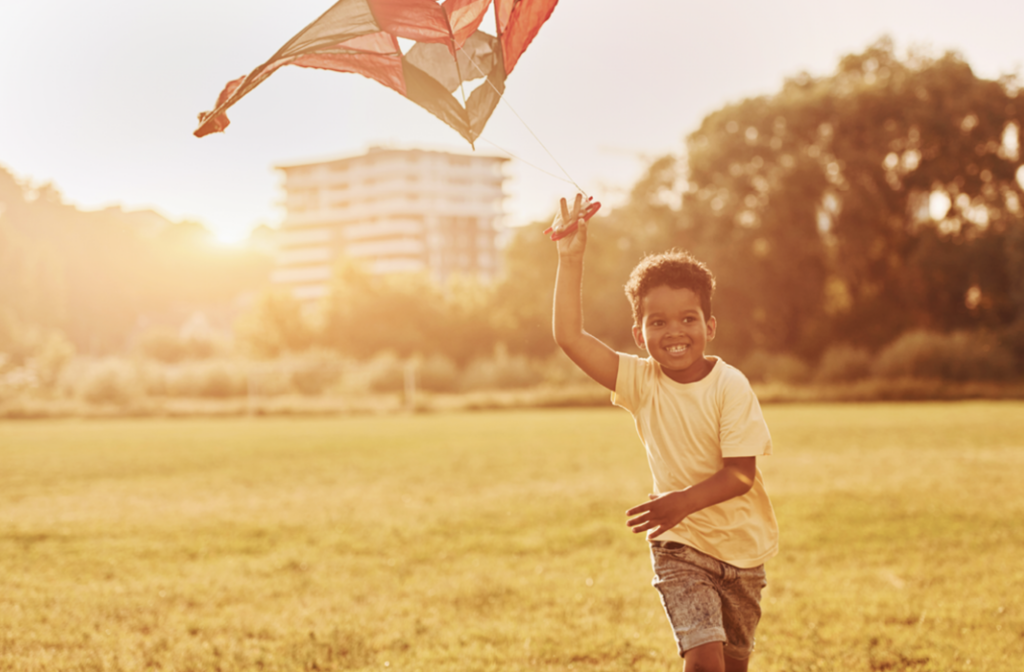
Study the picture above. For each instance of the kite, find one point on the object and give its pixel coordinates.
(361, 36)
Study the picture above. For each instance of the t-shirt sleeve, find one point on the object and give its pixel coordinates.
(628, 382)
(743, 431)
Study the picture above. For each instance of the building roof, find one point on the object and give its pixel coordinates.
(382, 151)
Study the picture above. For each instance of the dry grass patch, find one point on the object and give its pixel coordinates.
(486, 541)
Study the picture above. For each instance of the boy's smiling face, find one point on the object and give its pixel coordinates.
(675, 332)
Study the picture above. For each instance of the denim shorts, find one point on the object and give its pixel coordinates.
(707, 600)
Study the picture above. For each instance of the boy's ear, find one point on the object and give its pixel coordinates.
(712, 328)
(638, 336)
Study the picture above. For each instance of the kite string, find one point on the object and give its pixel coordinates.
(532, 165)
(501, 97)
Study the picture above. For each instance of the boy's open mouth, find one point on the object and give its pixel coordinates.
(677, 349)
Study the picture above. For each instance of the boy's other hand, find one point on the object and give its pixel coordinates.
(664, 512)
(661, 513)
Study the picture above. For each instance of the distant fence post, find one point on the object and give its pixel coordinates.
(410, 384)
(250, 390)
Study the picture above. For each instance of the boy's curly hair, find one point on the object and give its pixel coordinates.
(675, 268)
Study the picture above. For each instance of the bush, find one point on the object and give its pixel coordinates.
(214, 379)
(1012, 338)
(957, 356)
(166, 346)
(500, 372)
(106, 381)
(37, 353)
(267, 378)
(15, 381)
(160, 345)
(314, 372)
(842, 364)
(559, 370)
(437, 374)
(766, 367)
(385, 373)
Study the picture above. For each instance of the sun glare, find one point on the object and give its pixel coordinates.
(229, 237)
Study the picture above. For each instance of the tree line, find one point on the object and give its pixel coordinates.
(842, 210)
(97, 278)
(847, 209)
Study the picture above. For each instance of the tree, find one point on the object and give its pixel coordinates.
(98, 275)
(274, 325)
(521, 309)
(406, 314)
(860, 205)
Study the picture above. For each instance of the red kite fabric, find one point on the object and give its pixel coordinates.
(361, 36)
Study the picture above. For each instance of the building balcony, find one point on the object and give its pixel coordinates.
(386, 248)
(304, 256)
(307, 274)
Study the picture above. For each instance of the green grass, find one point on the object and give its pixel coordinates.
(493, 541)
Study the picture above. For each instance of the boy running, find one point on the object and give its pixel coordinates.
(709, 522)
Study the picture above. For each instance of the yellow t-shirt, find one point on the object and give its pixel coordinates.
(687, 428)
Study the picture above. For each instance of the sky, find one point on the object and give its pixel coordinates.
(100, 97)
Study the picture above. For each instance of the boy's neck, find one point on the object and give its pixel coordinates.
(699, 371)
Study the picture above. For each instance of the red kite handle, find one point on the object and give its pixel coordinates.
(588, 212)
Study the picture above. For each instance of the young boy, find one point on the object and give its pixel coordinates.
(709, 522)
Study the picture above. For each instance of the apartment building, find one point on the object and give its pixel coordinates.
(394, 211)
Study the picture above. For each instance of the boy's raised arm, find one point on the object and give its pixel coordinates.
(595, 358)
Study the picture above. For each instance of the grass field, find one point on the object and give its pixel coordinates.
(494, 541)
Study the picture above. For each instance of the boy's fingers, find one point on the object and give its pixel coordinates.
(632, 522)
(644, 528)
(639, 509)
(646, 506)
(640, 520)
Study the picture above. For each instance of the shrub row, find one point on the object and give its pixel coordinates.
(120, 380)
(960, 356)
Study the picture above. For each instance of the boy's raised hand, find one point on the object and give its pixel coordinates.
(570, 228)
(567, 222)
(595, 358)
